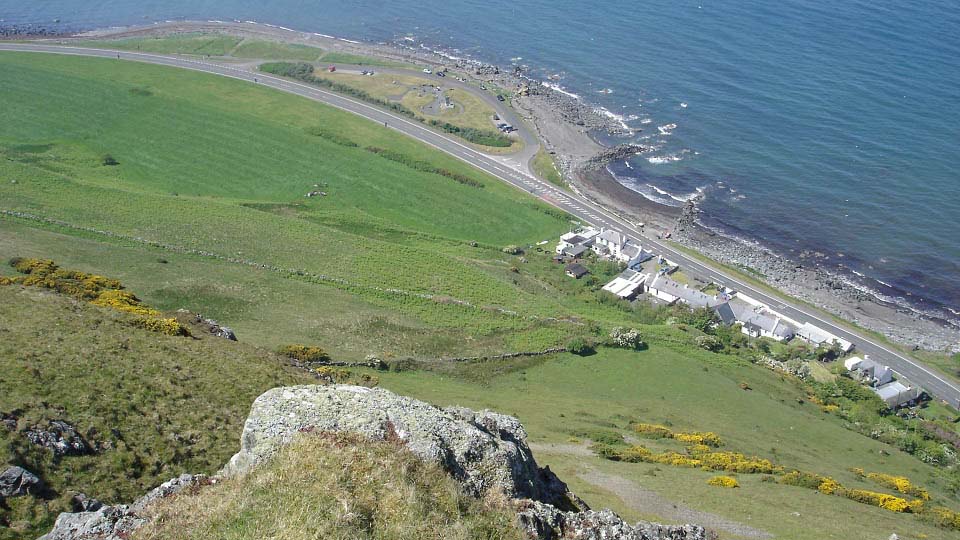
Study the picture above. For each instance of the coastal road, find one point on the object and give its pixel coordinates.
(510, 170)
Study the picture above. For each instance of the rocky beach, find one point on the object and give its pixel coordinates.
(567, 127)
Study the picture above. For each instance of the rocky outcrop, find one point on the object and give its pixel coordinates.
(616, 153)
(59, 437)
(114, 522)
(545, 522)
(483, 450)
(17, 481)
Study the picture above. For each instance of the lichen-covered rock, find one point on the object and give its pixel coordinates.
(17, 481)
(83, 503)
(114, 522)
(545, 522)
(60, 437)
(483, 450)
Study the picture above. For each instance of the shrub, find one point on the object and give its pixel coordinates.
(653, 431)
(169, 327)
(304, 353)
(723, 481)
(709, 343)
(883, 500)
(581, 346)
(124, 301)
(108, 160)
(318, 131)
(627, 338)
(899, 483)
(483, 137)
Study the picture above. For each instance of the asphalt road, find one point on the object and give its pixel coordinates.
(514, 171)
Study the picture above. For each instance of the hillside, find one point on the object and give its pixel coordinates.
(147, 406)
(190, 189)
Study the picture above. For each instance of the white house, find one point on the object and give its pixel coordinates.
(755, 321)
(609, 243)
(818, 336)
(871, 372)
(896, 394)
(627, 285)
(670, 291)
(581, 238)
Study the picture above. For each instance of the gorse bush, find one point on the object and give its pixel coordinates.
(98, 290)
(656, 431)
(723, 481)
(304, 353)
(899, 483)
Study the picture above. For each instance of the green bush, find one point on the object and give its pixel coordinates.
(423, 166)
(477, 136)
(581, 346)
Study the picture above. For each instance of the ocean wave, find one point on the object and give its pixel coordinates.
(669, 158)
(683, 105)
(666, 129)
(558, 88)
(647, 121)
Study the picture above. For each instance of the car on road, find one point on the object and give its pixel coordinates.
(500, 98)
(427, 71)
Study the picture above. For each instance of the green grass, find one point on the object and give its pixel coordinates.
(336, 487)
(206, 210)
(274, 50)
(189, 43)
(158, 405)
(334, 57)
(691, 391)
(544, 167)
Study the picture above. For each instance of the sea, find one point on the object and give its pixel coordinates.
(808, 126)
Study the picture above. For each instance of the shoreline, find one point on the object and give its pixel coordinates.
(564, 124)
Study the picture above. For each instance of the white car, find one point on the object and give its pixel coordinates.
(427, 71)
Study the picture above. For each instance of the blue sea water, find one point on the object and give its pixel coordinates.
(831, 127)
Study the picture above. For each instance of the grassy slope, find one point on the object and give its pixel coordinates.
(189, 43)
(696, 391)
(177, 404)
(333, 488)
(239, 160)
(272, 50)
(222, 153)
(545, 168)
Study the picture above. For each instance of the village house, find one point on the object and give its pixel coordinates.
(627, 285)
(670, 292)
(817, 336)
(581, 238)
(576, 270)
(896, 394)
(869, 371)
(754, 320)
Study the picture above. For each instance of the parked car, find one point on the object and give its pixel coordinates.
(500, 98)
(427, 71)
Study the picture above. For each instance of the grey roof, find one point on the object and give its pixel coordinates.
(576, 269)
(690, 296)
(575, 251)
(631, 250)
(739, 311)
(612, 236)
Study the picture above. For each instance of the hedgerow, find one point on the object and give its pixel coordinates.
(423, 166)
(899, 483)
(656, 431)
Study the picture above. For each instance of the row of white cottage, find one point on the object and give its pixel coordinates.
(756, 319)
(882, 380)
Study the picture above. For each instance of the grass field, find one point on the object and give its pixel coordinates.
(562, 399)
(335, 57)
(190, 189)
(188, 43)
(545, 168)
(415, 93)
(273, 50)
(162, 405)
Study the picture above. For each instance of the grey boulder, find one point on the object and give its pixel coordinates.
(17, 481)
(483, 450)
(60, 437)
(545, 522)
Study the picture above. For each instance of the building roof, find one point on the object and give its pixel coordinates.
(852, 363)
(817, 335)
(896, 392)
(626, 284)
(576, 269)
(575, 251)
(738, 311)
(612, 237)
(690, 296)
(631, 250)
